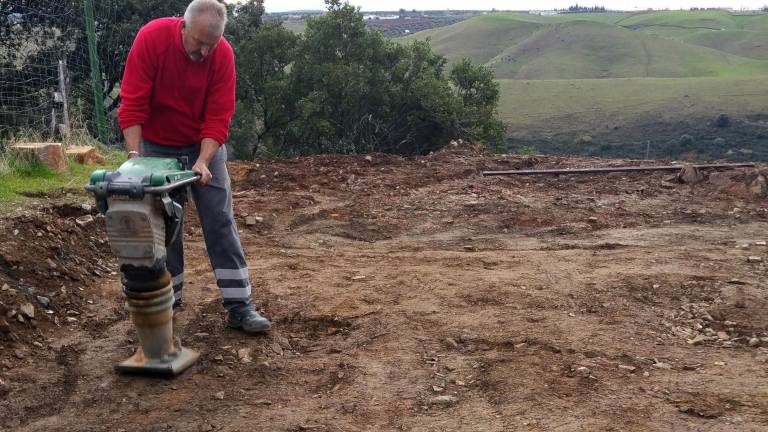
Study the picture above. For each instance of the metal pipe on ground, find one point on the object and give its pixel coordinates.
(606, 170)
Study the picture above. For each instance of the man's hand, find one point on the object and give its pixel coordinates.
(132, 135)
(202, 169)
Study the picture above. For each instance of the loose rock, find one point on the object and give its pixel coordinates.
(219, 395)
(5, 328)
(755, 259)
(689, 175)
(445, 400)
(84, 221)
(583, 372)
(276, 348)
(44, 301)
(698, 339)
(244, 354)
(28, 310)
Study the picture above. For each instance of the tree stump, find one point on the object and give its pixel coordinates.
(85, 155)
(50, 154)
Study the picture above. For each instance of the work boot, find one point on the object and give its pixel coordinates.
(248, 320)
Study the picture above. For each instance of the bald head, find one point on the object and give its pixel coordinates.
(204, 22)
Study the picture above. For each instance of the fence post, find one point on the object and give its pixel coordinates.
(98, 97)
(64, 101)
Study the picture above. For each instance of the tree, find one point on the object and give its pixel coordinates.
(244, 19)
(58, 33)
(263, 93)
(341, 88)
(480, 96)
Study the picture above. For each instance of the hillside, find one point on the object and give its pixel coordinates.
(625, 117)
(609, 45)
(624, 84)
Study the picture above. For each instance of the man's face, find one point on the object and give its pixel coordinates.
(200, 36)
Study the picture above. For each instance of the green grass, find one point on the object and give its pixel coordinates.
(296, 26)
(21, 181)
(610, 45)
(544, 108)
(623, 114)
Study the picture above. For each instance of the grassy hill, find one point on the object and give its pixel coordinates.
(620, 116)
(623, 84)
(609, 45)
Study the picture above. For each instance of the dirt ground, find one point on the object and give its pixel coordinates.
(415, 295)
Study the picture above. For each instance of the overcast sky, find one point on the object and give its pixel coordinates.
(369, 5)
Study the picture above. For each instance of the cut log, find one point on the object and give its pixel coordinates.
(50, 154)
(85, 155)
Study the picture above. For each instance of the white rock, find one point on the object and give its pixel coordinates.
(28, 310)
(755, 259)
(219, 395)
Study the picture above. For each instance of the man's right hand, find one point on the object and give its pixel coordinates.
(132, 135)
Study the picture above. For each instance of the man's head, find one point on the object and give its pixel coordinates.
(204, 23)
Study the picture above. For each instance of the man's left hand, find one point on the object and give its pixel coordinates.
(202, 170)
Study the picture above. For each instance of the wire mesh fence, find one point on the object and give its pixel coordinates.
(61, 63)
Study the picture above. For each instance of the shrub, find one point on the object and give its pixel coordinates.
(527, 150)
(722, 121)
(685, 140)
(583, 139)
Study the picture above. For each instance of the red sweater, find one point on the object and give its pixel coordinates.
(177, 101)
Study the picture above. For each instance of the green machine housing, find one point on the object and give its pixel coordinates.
(142, 202)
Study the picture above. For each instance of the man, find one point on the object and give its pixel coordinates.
(178, 97)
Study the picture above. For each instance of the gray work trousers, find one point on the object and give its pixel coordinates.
(214, 209)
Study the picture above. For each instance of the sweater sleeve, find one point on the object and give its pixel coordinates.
(137, 84)
(220, 100)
